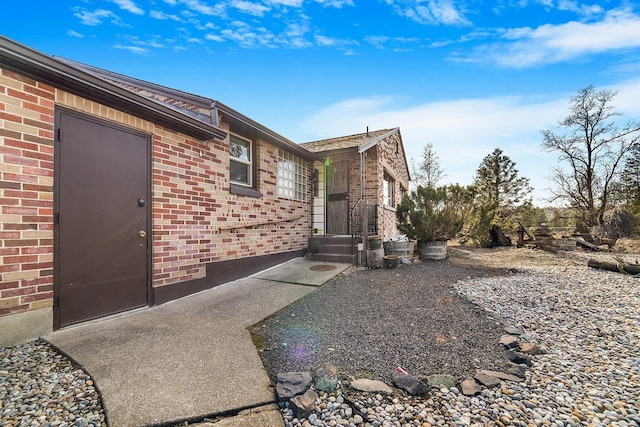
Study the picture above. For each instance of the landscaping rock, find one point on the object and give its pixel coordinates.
(291, 384)
(531, 348)
(517, 370)
(519, 358)
(325, 378)
(365, 384)
(305, 404)
(408, 383)
(486, 380)
(500, 375)
(513, 330)
(470, 387)
(441, 381)
(509, 341)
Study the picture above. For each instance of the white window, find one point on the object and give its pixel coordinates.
(292, 176)
(388, 185)
(240, 168)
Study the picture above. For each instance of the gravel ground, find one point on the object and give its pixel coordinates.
(587, 319)
(433, 317)
(368, 322)
(40, 387)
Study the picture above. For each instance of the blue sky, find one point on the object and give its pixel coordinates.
(466, 76)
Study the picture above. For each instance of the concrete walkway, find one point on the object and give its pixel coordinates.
(192, 357)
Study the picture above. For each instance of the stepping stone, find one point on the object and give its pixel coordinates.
(470, 387)
(513, 330)
(409, 383)
(486, 380)
(509, 341)
(531, 348)
(519, 358)
(501, 375)
(365, 384)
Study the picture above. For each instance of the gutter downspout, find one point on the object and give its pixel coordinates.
(363, 210)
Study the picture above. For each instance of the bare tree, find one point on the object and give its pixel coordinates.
(594, 148)
(429, 171)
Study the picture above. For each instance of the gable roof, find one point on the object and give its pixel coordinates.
(52, 71)
(361, 141)
(350, 141)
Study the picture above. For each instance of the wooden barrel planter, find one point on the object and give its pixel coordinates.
(401, 249)
(391, 261)
(436, 250)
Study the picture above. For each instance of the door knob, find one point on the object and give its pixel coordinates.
(142, 233)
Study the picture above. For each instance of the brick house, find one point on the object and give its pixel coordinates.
(359, 179)
(116, 193)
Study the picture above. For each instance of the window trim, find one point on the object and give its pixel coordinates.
(249, 164)
(250, 190)
(297, 162)
(387, 178)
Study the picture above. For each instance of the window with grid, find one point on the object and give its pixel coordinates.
(388, 185)
(292, 176)
(240, 168)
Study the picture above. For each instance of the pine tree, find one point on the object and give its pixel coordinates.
(498, 184)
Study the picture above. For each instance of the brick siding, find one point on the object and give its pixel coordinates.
(26, 193)
(392, 161)
(196, 220)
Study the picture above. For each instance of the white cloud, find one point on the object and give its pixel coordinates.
(251, 8)
(158, 14)
(464, 131)
(581, 9)
(133, 49)
(248, 37)
(399, 44)
(430, 12)
(203, 8)
(74, 34)
(96, 17)
(214, 38)
(338, 4)
(129, 6)
(524, 47)
(288, 3)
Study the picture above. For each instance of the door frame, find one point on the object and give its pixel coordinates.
(56, 202)
(347, 197)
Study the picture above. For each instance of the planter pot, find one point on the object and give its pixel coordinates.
(401, 249)
(375, 243)
(375, 258)
(391, 261)
(435, 250)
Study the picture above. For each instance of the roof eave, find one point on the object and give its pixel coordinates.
(45, 68)
(240, 120)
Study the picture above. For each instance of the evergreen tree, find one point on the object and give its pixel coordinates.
(499, 195)
(428, 172)
(499, 186)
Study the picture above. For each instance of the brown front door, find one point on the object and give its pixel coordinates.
(102, 217)
(338, 198)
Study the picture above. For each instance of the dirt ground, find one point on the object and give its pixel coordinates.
(512, 257)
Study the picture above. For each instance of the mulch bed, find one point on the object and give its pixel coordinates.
(368, 322)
